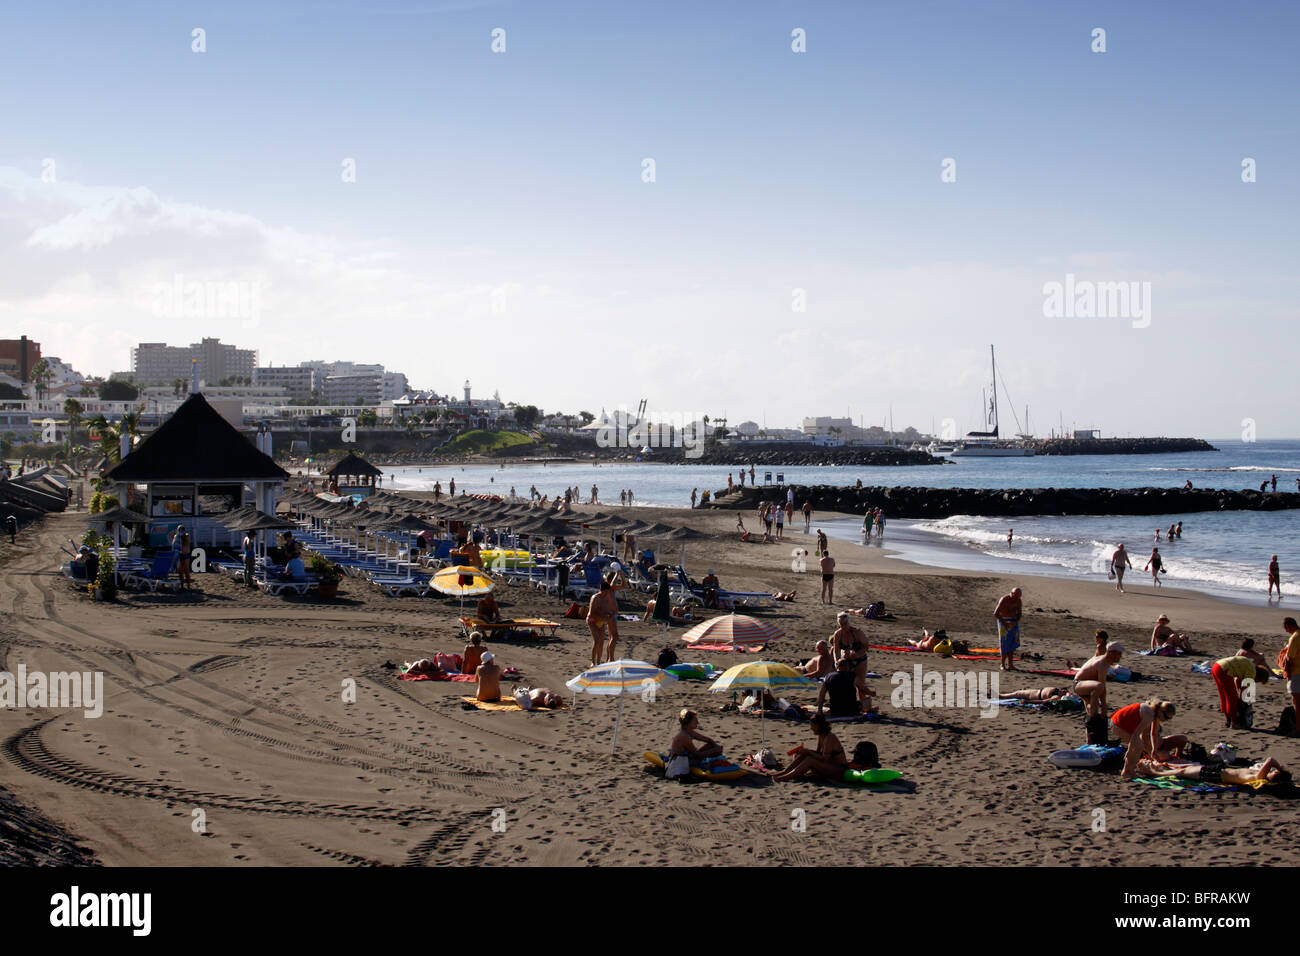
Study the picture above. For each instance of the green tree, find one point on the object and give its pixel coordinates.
(368, 418)
(526, 416)
(116, 390)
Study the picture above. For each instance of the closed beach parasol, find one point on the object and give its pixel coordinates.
(733, 629)
(619, 678)
(760, 676)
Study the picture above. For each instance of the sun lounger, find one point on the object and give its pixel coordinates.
(156, 575)
(545, 629)
(277, 586)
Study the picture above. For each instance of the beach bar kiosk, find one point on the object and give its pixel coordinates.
(353, 476)
(196, 468)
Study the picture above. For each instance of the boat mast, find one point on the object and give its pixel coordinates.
(994, 360)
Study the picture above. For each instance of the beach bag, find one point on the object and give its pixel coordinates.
(875, 610)
(944, 648)
(523, 698)
(667, 658)
(866, 755)
(576, 610)
(1286, 725)
(1098, 729)
(1246, 715)
(677, 766)
(449, 663)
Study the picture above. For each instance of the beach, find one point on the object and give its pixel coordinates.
(226, 738)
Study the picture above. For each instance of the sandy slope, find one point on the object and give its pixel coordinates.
(230, 703)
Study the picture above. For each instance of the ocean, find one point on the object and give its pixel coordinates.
(1225, 554)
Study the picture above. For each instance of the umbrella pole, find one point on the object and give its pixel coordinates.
(617, 719)
(762, 720)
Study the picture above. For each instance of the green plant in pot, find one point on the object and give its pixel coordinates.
(327, 575)
(105, 582)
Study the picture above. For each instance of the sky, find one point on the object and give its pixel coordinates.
(797, 251)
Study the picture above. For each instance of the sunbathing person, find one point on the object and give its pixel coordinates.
(927, 642)
(425, 665)
(487, 610)
(1165, 641)
(545, 697)
(782, 595)
(821, 665)
(828, 761)
(1090, 680)
(1040, 695)
(842, 688)
(489, 679)
(1267, 770)
(1138, 728)
(684, 745)
(472, 656)
(678, 612)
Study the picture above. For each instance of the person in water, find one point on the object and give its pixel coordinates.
(827, 760)
(1274, 579)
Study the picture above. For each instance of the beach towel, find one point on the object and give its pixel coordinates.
(461, 678)
(1008, 635)
(505, 703)
(745, 648)
(976, 654)
(1177, 783)
(1202, 667)
(1164, 650)
(808, 711)
(1063, 672)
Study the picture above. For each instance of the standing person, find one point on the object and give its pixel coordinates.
(866, 525)
(767, 518)
(821, 541)
(780, 523)
(850, 645)
(1119, 562)
(451, 487)
(629, 496)
(1157, 534)
(1154, 563)
(1228, 673)
(827, 565)
(694, 494)
(11, 525)
(728, 482)
(1178, 530)
(602, 615)
(1291, 664)
(751, 476)
(1169, 535)
(1274, 579)
(1008, 614)
(183, 545)
(622, 497)
(789, 504)
(595, 495)
(1011, 533)
(880, 523)
(250, 558)
(807, 515)
(1274, 482)
(1090, 679)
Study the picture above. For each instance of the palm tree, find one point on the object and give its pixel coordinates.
(110, 434)
(42, 375)
(73, 409)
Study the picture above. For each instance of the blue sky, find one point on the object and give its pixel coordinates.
(514, 179)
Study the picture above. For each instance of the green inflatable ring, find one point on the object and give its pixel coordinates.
(871, 776)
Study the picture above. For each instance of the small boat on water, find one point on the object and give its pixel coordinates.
(987, 444)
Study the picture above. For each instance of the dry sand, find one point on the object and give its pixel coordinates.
(231, 703)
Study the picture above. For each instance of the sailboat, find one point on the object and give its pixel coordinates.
(987, 444)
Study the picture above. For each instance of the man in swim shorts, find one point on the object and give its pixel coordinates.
(1119, 563)
(1007, 614)
(827, 565)
(1274, 579)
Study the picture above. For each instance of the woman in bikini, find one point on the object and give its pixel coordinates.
(1039, 695)
(828, 761)
(602, 615)
(849, 642)
(684, 745)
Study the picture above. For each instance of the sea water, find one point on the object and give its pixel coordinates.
(1224, 553)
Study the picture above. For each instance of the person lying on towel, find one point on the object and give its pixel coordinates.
(1267, 771)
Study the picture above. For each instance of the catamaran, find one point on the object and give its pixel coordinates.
(987, 444)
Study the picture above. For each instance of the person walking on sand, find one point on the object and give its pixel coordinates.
(1274, 579)
(827, 565)
(807, 515)
(1090, 679)
(728, 482)
(821, 541)
(1155, 564)
(780, 523)
(1007, 614)
(694, 494)
(1119, 562)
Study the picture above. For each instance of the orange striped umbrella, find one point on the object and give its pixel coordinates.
(733, 629)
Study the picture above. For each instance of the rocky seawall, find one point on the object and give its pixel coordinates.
(913, 502)
(1120, 446)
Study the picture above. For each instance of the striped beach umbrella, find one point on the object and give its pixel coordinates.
(621, 677)
(733, 629)
(760, 676)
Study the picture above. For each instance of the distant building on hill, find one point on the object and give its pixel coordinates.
(156, 363)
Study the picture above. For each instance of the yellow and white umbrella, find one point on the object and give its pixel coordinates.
(462, 581)
(759, 676)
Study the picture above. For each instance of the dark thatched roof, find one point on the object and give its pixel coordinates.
(196, 444)
(353, 467)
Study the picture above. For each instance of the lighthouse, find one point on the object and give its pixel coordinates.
(466, 391)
